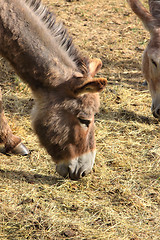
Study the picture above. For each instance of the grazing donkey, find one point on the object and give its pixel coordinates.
(151, 56)
(61, 79)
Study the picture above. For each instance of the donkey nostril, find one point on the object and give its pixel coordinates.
(154, 114)
(83, 174)
(158, 112)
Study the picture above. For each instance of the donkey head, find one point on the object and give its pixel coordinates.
(151, 56)
(63, 118)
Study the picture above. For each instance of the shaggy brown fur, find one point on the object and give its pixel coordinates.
(6, 135)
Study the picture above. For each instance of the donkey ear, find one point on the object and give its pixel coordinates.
(90, 86)
(142, 13)
(94, 66)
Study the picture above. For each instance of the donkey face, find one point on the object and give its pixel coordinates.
(63, 119)
(151, 72)
(151, 56)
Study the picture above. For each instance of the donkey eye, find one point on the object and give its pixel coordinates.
(154, 63)
(84, 122)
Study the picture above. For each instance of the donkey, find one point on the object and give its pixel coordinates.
(61, 79)
(151, 56)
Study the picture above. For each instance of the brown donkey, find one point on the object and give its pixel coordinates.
(61, 79)
(151, 56)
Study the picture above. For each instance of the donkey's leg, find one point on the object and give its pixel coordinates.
(12, 143)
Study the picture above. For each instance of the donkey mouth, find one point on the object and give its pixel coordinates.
(155, 115)
(156, 112)
(78, 167)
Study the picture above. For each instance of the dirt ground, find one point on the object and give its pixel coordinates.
(120, 199)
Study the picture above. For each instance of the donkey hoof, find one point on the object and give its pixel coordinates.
(20, 149)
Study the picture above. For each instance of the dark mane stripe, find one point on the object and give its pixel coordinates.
(59, 32)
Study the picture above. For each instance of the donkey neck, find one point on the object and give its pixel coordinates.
(30, 47)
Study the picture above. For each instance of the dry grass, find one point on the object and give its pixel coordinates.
(120, 199)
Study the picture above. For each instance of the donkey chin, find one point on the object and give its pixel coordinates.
(78, 167)
(155, 109)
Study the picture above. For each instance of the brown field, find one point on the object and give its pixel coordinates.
(120, 199)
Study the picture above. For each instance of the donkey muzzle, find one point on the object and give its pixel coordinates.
(78, 167)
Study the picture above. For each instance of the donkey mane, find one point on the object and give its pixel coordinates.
(60, 33)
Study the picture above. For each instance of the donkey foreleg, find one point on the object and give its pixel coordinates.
(12, 143)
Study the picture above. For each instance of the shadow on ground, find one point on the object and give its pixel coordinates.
(124, 115)
(29, 177)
